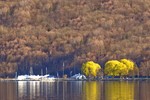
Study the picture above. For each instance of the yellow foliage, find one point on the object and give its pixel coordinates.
(128, 63)
(90, 68)
(122, 69)
(115, 68)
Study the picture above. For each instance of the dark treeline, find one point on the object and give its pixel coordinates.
(48, 33)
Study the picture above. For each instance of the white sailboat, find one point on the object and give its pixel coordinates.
(31, 76)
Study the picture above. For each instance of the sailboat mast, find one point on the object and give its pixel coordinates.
(41, 72)
(46, 71)
(31, 71)
(63, 68)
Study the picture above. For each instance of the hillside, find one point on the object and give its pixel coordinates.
(48, 33)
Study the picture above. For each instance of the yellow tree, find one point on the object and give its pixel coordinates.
(115, 68)
(122, 69)
(110, 67)
(90, 68)
(130, 65)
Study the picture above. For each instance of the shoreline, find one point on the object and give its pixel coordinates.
(71, 79)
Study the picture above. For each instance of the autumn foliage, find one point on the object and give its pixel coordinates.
(119, 68)
(90, 68)
(46, 33)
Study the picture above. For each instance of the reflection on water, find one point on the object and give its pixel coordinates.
(92, 90)
(49, 90)
(8, 91)
(119, 90)
(75, 90)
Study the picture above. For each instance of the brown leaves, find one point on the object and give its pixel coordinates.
(38, 33)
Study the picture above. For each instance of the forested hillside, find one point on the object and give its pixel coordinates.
(53, 33)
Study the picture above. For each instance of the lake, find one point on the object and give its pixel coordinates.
(75, 90)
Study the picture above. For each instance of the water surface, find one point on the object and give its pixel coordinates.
(75, 90)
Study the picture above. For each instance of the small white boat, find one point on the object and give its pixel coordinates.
(32, 77)
(78, 76)
(22, 77)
